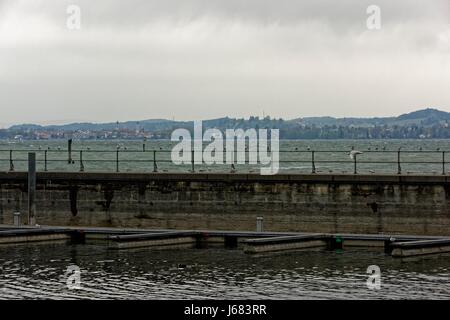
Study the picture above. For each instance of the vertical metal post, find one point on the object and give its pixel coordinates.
(117, 160)
(81, 161)
(259, 224)
(143, 147)
(192, 161)
(31, 188)
(69, 151)
(443, 162)
(313, 164)
(45, 160)
(399, 168)
(354, 165)
(11, 163)
(155, 167)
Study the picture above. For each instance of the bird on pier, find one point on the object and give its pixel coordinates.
(308, 148)
(353, 154)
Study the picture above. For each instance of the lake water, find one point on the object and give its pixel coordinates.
(39, 272)
(331, 156)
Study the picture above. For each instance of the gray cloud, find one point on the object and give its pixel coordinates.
(200, 59)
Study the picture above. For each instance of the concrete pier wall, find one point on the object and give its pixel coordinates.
(403, 204)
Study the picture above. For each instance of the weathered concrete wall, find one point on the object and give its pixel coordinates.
(312, 203)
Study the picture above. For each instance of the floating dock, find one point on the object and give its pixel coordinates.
(421, 247)
(284, 243)
(158, 240)
(33, 235)
(249, 242)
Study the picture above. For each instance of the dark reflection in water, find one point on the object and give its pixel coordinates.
(38, 271)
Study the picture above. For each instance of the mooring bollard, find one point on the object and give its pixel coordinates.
(17, 219)
(259, 224)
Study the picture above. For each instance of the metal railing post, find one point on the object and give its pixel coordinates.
(192, 161)
(117, 160)
(354, 165)
(399, 168)
(45, 160)
(443, 162)
(69, 151)
(11, 163)
(81, 161)
(155, 167)
(31, 188)
(313, 162)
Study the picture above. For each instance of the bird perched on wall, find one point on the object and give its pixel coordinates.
(353, 154)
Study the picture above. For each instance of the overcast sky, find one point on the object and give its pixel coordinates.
(200, 59)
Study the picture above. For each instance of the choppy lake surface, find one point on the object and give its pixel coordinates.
(331, 156)
(39, 272)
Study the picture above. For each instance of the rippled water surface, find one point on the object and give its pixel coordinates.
(38, 272)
